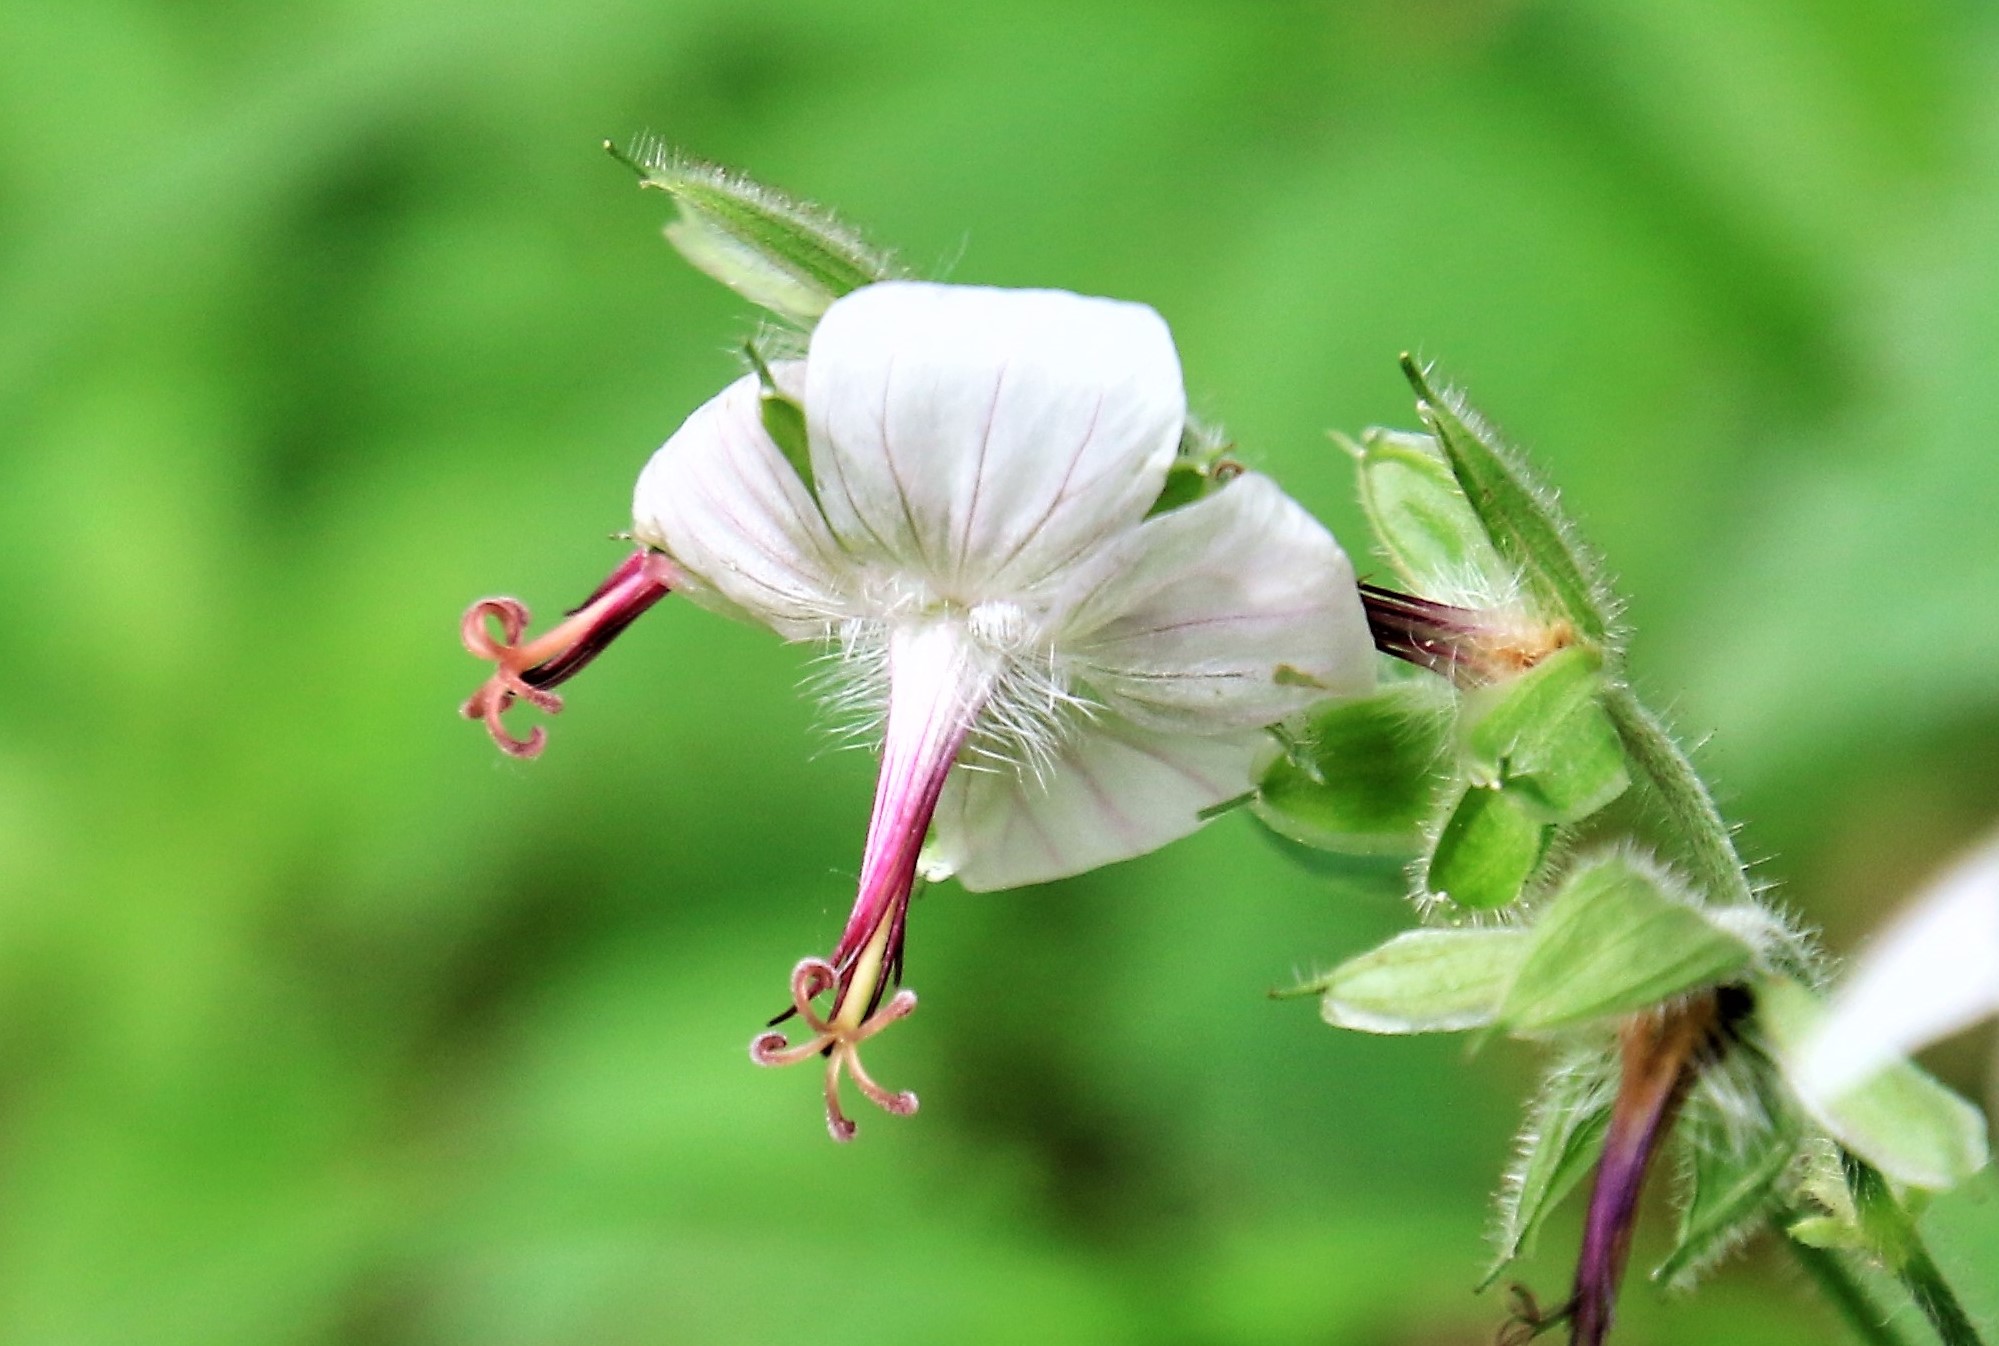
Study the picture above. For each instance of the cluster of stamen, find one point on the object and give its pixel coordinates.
(838, 1040)
(526, 672)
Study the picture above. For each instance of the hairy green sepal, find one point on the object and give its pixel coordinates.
(1545, 735)
(783, 419)
(1732, 1188)
(1519, 515)
(782, 254)
(1422, 981)
(1489, 847)
(1559, 1144)
(1426, 530)
(1200, 468)
(1615, 938)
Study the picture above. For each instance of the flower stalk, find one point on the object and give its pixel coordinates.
(1844, 1291)
(1893, 1237)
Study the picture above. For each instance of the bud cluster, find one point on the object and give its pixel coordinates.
(1524, 787)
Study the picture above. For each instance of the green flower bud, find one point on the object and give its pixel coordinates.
(1360, 776)
(1489, 847)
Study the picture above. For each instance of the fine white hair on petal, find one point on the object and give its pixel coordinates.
(720, 499)
(1934, 971)
(849, 678)
(1112, 792)
(1229, 613)
(986, 439)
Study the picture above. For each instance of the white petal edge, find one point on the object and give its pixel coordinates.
(1116, 791)
(1229, 613)
(1931, 973)
(985, 439)
(720, 499)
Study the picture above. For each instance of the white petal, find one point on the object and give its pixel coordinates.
(984, 439)
(1933, 972)
(720, 499)
(1115, 792)
(1228, 613)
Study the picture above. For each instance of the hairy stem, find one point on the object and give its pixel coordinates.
(1710, 849)
(1844, 1291)
(1895, 1239)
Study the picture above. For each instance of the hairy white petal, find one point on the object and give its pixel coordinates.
(1112, 791)
(983, 463)
(720, 499)
(1934, 971)
(1229, 613)
(986, 439)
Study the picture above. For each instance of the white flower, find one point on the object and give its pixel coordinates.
(1061, 681)
(1933, 972)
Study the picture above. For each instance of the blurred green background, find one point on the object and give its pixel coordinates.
(322, 1023)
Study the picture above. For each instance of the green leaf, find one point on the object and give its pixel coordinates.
(784, 255)
(1362, 776)
(1545, 735)
(1900, 1120)
(1425, 529)
(1732, 1188)
(1559, 1144)
(1422, 981)
(1614, 939)
(1520, 515)
(1488, 849)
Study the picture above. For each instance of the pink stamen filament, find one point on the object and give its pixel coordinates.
(937, 686)
(526, 672)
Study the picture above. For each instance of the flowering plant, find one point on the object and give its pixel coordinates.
(1076, 629)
